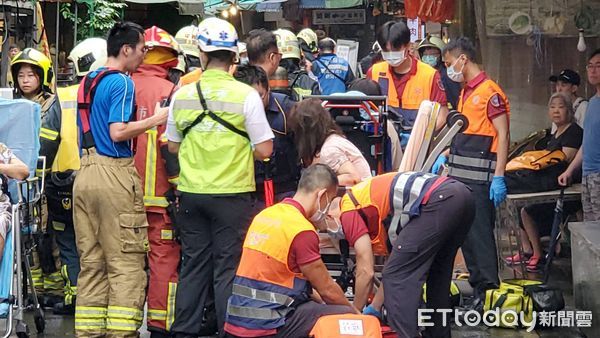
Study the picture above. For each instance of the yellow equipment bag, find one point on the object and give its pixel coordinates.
(346, 326)
(511, 296)
(536, 160)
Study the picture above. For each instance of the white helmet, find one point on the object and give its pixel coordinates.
(287, 43)
(217, 34)
(187, 37)
(88, 55)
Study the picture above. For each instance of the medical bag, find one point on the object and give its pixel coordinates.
(347, 326)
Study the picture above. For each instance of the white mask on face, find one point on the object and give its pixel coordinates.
(394, 58)
(337, 233)
(453, 74)
(320, 215)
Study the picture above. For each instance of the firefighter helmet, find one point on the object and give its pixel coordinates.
(37, 59)
(158, 37)
(217, 34)
(187, 37)
(287, 43)
(431, 42)
(308, 37)
(88, 55)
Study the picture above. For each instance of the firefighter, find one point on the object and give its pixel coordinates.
(187, 37)
(110, 220)
(420, 235)
(283, 168)
(62, 154)
(307, 38)
(478, 157)
(158, 170)
(430, 51)
(406, 80)
(300, 82)
(33, 73)
(281, 264)
(215, 126)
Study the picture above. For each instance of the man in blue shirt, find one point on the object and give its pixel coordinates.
(588, 156)
(109, 216)
(334, 73)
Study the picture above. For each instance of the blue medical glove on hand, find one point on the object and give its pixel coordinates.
(498, 190)
(437, 166)
(370, 310)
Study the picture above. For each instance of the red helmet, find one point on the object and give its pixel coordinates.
(157, 37)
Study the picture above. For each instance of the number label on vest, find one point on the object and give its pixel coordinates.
(351, 327)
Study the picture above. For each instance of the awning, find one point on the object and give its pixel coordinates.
(307, 4)
(329, 4)
(270, 6)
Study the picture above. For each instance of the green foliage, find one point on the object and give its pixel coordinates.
(96, 18)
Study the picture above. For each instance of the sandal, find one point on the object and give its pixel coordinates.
(517, 259)
(534, 264)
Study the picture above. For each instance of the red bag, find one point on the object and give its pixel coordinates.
(430, 10)
(347, 326)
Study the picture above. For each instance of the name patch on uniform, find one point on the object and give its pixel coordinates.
(351, 327)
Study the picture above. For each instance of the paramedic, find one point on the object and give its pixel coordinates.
(281, 264)
(215, 147)
(109, 215)
(478, 158)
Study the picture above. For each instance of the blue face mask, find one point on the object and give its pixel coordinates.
(431, 60)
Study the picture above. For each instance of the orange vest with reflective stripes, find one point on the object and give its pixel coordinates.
(475, 109)
(373, 192)
(264, 285)
(417, 89)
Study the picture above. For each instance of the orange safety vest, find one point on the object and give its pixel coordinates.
(265, 289)
(417, 88)
(473, 153)
(373, 193)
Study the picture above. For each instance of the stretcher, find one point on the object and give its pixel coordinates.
(363, 119)
(19, 130)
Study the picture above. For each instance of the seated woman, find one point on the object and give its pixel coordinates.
(319, 140)
(10, 167)
(537, 219)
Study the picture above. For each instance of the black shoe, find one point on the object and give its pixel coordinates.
(50, 300)
(62, 309)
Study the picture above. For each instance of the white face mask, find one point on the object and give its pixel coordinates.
(337, 233)
(453, 74)
(394, 59)
(320, 215)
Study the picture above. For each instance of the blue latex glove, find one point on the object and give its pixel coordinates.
(437, 166)
(498, 190)
(370, 310)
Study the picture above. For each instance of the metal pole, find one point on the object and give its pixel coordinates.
(75, 35)
(56, 44)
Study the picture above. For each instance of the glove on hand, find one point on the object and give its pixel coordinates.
(441, 160)
(498, 190)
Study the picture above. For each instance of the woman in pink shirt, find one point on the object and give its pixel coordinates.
(319, 140)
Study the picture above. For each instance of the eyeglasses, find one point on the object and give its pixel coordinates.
(594, 66)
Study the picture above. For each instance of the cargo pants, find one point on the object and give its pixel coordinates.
(112, 241)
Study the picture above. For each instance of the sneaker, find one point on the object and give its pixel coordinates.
(517, 259)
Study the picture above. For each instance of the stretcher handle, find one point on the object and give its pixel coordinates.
(373, 98)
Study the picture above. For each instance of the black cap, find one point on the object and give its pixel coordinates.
(568, 76)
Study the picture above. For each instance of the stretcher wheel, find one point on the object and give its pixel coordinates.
(453, 118)
(450, 116)
(40, 321)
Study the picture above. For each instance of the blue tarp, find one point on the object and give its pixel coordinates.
(312, 4)
(20, 129)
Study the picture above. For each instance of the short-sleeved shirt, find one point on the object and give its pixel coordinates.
(438, 92)
(591, 138)
(572, 137)
(305, 246)
(496, 105)
(114, 102)
(337, 150)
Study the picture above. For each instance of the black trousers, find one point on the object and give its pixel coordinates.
(424, 252)
(479, 248)
(212, 230)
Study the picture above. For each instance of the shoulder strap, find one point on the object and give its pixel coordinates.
(361, 212)
(89, 87)
(212, 116)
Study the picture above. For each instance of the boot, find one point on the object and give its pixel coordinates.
(62, 309)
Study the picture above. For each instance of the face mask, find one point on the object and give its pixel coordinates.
(337, 233)
(431, 60)
(244, 61)
(456, 76)
(320, 215)
(394, 59)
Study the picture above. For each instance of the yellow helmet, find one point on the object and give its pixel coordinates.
(309, 37)
(37, 59)
(187, 37)
(287, 43)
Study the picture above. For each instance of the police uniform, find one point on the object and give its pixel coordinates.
(419, 220)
